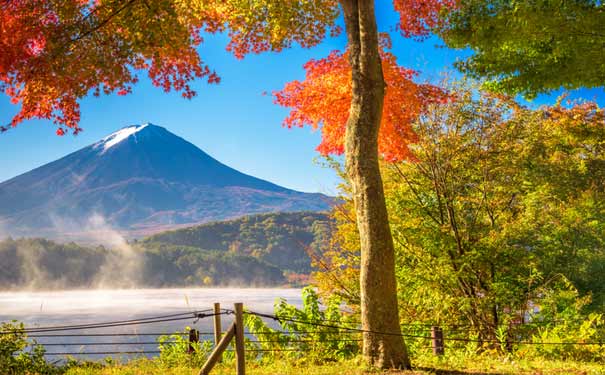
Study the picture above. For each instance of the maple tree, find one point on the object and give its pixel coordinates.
(53, 53)
(365, 103)
(56, 52)
(323, 99)
(83, 47)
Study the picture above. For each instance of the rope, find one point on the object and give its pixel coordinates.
(279, 319)
(268, 350)
(104, 353)
(276, 341)
(316, 324)
(296, 332)
(100, 343)
(156, 319)
(205, 313)
(273, 350)
(117, 334)
(526, 342)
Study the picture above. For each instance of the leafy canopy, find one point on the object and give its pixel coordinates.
(53, 53)
(530, 47)
(500, 206)
(82, 47)
(324, 97)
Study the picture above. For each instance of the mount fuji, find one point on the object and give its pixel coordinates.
(143, 179)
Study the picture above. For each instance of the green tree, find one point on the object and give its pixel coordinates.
(500, 203)
(530, 46)
(562, 159)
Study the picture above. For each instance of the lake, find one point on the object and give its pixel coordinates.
(58, 308)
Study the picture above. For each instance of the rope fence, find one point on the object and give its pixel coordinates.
(359, 330)
(157, 319)
(307, 334)
(104, 353)
(116, 334)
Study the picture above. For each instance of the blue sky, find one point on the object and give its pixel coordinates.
(233, 121)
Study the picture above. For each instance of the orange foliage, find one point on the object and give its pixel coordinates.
(418, 17)
(323, 100)
(54, 53)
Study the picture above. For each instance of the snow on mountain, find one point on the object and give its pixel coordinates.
(117, 137)
(144, 177)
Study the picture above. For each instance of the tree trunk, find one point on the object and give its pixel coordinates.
(379, 311)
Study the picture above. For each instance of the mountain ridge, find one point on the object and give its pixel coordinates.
(138, 178)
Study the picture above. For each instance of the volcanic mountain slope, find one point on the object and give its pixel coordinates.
(139, 178)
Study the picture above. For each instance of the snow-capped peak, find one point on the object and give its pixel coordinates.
(117, 137)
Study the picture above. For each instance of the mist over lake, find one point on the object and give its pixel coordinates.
(89, 306)
(43, 309)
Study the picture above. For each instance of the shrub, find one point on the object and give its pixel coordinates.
(174, 351)
(15, 358)
(562, 318)
(299, 338)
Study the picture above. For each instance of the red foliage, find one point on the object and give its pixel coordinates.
(418, 17)
(323, 100)
(54, 53)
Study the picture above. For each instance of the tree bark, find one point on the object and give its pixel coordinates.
(379, 310)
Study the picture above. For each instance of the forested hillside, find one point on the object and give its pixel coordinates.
(281, 239)
(255, 250)
(43, 264)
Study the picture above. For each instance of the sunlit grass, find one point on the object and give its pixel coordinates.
(424, 365)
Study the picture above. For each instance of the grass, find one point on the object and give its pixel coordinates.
(424, 365)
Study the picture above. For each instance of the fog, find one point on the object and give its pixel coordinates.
(43, 309)
(121, 268)
(28, 306)
(39, 309)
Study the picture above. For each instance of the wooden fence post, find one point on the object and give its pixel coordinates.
(194, 337)
(240, 368)
(218, 330)
(217, 323)
(437, 339)
(218, 351)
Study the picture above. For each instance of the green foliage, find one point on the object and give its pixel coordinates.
(47, 264)
(530, 47)
(41, 263)
(174, 351)
(308, 342)
(499, 203)
(562, 318)
(455, 216)
(18, 356)
(176, 265)
(281, 239)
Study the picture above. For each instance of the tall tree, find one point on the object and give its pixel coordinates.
(366, 115)
(81, 47)
(530, 46)
(345, 94)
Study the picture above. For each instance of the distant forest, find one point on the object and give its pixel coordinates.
(281, 239)
(262, 250)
